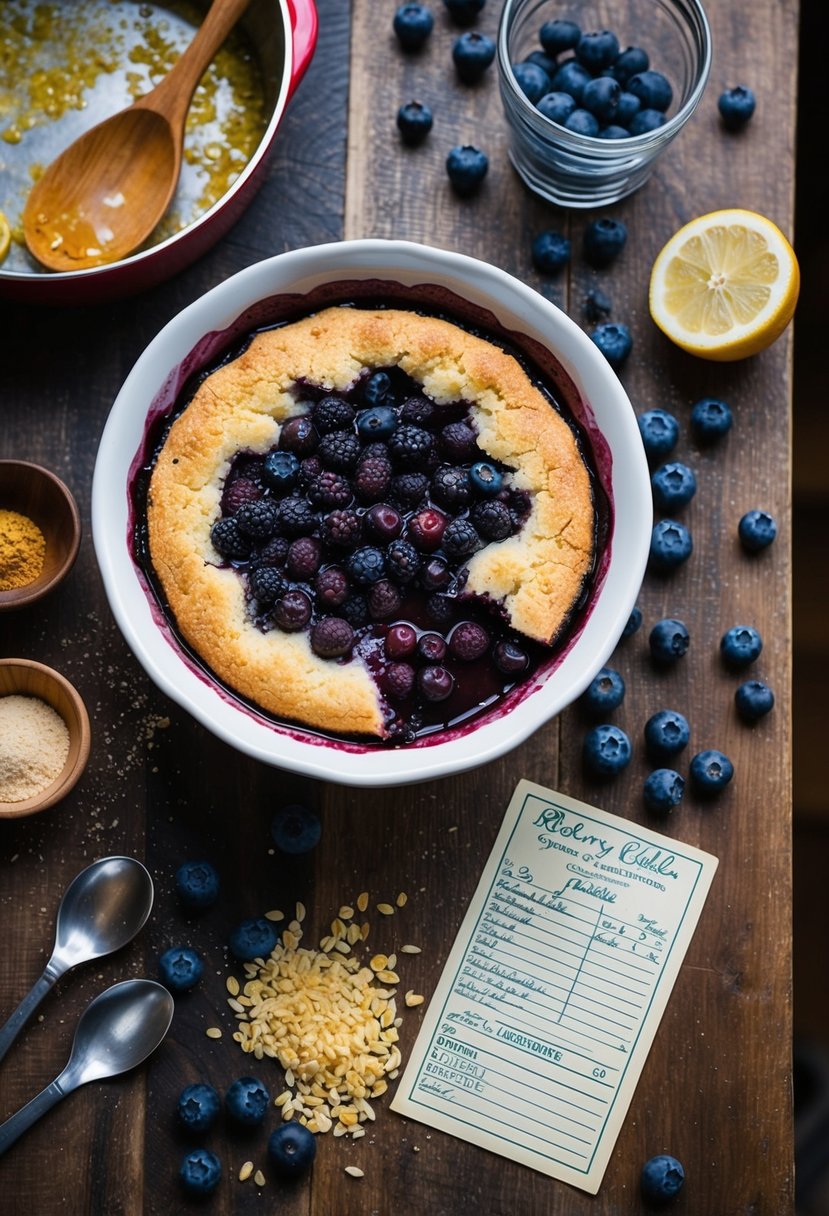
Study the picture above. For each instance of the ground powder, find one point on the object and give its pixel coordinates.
(22, 550)
(34, 744)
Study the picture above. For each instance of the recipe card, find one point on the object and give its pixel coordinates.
(551, 996)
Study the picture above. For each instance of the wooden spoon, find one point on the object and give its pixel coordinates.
(102, 197)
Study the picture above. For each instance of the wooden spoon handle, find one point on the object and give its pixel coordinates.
(171, 97)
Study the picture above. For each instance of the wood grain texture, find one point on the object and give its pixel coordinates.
(716, 1088)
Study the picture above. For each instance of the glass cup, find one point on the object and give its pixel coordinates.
(575, 170)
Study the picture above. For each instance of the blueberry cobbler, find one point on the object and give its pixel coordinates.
(371, 523)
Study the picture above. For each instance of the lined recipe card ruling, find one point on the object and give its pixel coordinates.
(551, 996)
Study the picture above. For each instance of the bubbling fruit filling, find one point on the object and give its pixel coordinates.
(357, 527)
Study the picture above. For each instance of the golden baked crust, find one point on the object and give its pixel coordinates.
(536, 575)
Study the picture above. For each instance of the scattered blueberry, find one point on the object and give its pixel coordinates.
(377, 389)
(597, 305)
(604, 693)
(200, 1172)
(291, 1149)
(666, 734)
(253, 938)
(533, 81)
(736, 107)
(652, 88)
(663, 790)
(659, 431)
(646, 120)
(414, 122)
(413, 24)
(668, 640)
(472, 53)
(710, 420)
(280, 470)
(377, 422)
(740, 646)
(197, 884)
(296, 828)
(198, 1107)
(710, 771)
(754, 700)
(467, 167)
(674, 485)
(485, 478)
(180, 968)
(583, 123)
(557, 107)
(247, 1101)
(559, 35)
(671, 545)
(606, 750)
(614, 341)
(550, 252)
(757, 530)
(604, 240)
(662, 1177)
(633, 624)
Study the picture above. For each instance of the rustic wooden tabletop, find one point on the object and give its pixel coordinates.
(716, 1088)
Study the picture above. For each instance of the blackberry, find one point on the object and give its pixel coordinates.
(377, 389)
(272, 553)
(398, 681)
(229, 540)
(355, 611)
(460, 539)
(440, 610)
(411, 446)
(372, 478)
(492, 519)
(293, 611)
(402, 561)
(340, 450)
(280, 471)
(298, 435)
(257, 519)
(296, 517)
(238, 493)
(332, 637)
(417, 411)
(409, 489)
(459, 442)
(469, 641)
(342, 528)
(330, 489)
(309, 471)
(332, 587)
(304, 556)
(451, 487)
(266, 584)
(332, 414)
(384, 600)
(366, 566)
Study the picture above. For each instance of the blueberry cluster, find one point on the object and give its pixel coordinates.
(357, 527)
(585, 82)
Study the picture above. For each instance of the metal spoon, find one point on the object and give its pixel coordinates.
(116, 1031)
(101, 198)
(102, 909)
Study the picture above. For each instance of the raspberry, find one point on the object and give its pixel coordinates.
(409, 488)
(304, 556)
(332, 637)
(293, 611)
(384, 600)
(298, 435)
(340, 450)
(332, 587)
(237, 493)
(398, 680)
(330, 490)
(257, 519)
(272, 553)
(451, 487)
(296, 517)
(266, 584)
(355, 611)
(418, 411)
(367, 566)
(492, 520)
(372, 478)
(469, 641)
(411, 446)
(229, 540)
(459, 441)
(460, 538)
(332, 414)
(402, 561)
(342, 528)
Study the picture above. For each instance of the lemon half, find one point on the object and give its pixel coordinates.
(725, 285)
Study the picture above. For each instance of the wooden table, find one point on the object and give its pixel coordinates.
(716, 1088)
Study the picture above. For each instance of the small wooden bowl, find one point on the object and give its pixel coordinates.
(25, 678)
(32, 490)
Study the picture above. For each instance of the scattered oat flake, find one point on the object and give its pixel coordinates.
(259, 1178)
(346, 912)
(232, 985)
(213, 1032)
(454, 828)
(410, 949)
(413, 998)
(378, 962)
(300, 911)
(362, 901)
(354, 1171)
(274, 914)
(385, 909)
(246, 1171)
(401, 899)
